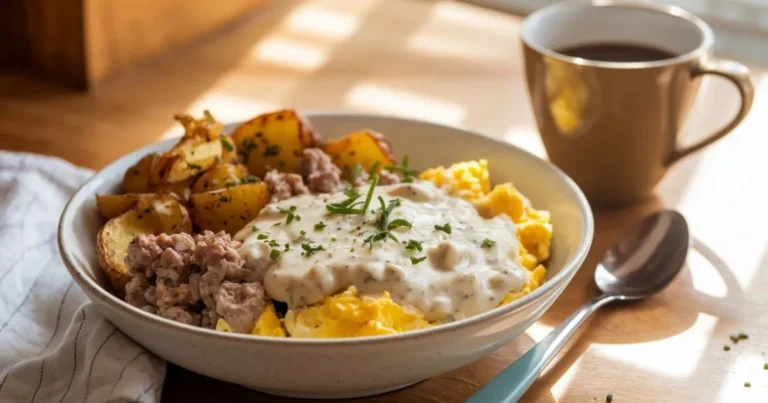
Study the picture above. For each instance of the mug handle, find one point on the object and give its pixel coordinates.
(736, 73)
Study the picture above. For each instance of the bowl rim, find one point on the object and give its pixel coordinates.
(94, 290)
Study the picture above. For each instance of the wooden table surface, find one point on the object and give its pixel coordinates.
(460, 65)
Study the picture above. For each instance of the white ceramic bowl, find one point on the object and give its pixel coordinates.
(338, 368)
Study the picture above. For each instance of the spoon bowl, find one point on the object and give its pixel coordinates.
(646, 258)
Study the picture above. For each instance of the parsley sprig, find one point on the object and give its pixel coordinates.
(309, 249)
(386, 210)
(414, 245)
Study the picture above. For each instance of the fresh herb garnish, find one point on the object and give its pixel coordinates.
(272, 150)
(274, 254)
(333, 239)
(747, 384)
(255, 228)
(765, 366)
(399, 223)
(224, 199)
(273, 243)
(487, 243)
(349, 206)
(230, 184)
(609, 398)
(250, 179)
(291, 212)
(445, 228)
(262, 237)
(742, 336)
(413, 245)
(302, 233)
(194, 166)
(355, 172)
(403, 169)
(226, 144)
(277, 224)
(209, 117)
(320, 226)
(379, 236)
(309, 249)
(416, 260)
(386, 211)
(726, 348)
(245, 149)
(374, 167)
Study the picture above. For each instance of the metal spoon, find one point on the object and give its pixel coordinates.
(641, 263)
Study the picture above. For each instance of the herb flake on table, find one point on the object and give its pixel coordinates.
(609, 398)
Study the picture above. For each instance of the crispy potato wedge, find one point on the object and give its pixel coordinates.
(273, 140)
(111, 206)
(220, 176)
(365, 147)
(228, 209)
(151, 215)
(137, 177)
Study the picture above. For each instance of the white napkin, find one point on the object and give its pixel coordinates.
(54, 345)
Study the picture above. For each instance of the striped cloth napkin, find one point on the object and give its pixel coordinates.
(54, 345)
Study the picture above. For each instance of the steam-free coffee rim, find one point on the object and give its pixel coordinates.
(705, 45)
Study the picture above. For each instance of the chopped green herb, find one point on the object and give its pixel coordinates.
(403, 169)
(309, 249)
(291, 212)
(255, 228)
(250, 179)
(399, 223)
(386, 211)
(224, 199)
(245, 149)
(320, 226)
(333, 239)
(287, 246)
(742, 336)
(609, 398)
(726, 348)
(208, 116)
(302, 233)
(272, 150)
(416, 260)
(487, 243)
(413, 245)
(445, 228)
(274, 254)
(273, 243)
(747, 384)
(230, 184)
(262, 236)
(765, 366)
(354, 173)
(226, 144)
(277, 224)
(194, 166)
(734, 338)
(374, 168)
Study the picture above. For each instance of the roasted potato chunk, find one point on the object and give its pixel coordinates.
(153, 214)
(111, 206)
(220, 176)
(228, 209)
(365, 147)
(136, 178)
(273, 140)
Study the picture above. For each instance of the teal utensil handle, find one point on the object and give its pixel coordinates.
(510, 385)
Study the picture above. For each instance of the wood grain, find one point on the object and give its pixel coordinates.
(448, 62)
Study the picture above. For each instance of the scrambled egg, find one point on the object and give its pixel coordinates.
(267, 325)
(469, 180)
(350, 315)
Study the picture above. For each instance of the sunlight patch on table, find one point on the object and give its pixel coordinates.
(290, 53)
(476, 17)
(441, 45)
(727, 178)
(706, 278)
(318, 21)
(526, 138)
(387, 100)
(653, 355)
(747, 366)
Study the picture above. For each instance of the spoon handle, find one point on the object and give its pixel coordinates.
(510, 385)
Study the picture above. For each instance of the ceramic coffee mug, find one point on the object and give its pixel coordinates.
(611, 124)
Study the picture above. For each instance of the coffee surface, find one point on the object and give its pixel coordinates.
(617, 52)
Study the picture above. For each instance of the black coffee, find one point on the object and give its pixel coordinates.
(617, 52)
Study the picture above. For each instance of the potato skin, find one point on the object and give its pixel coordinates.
(228, 209)
(152, 214)
(219, 176)
(365, 147)
(136, 178)
(273, 140)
